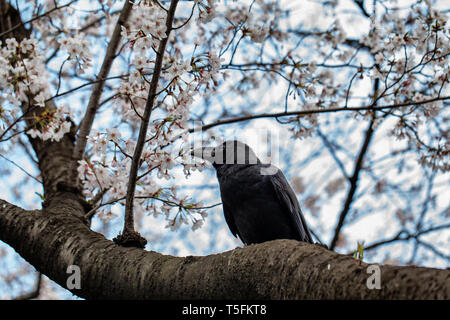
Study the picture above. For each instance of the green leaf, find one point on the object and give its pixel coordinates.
(40, 196)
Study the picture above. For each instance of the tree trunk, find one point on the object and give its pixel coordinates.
(54, 238)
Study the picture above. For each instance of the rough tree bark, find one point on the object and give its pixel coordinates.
(54, 238)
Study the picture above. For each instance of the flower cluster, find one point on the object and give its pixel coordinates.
(52, 124)
(405, 54)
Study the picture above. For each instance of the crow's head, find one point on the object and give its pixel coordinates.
(229, 153)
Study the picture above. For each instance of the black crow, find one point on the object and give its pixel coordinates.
(258, 203)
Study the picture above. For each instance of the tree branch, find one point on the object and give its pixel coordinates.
(54, 158)
(36, 291)
(129, 236)
(91, 110)
(22, 24)
(404, 236)
(360, 4)
(353, 183)
(332, 151)
(54, 238)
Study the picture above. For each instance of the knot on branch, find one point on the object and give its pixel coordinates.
(130, 239)
(322, 245)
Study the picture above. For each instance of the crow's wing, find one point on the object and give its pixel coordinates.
(229, 219)
(289, 201)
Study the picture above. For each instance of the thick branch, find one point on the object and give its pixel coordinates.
(360, 4)
(316, 111)
(404, 236)
(53, 239)
(353, 183)
(22, 24)
(354, 43)
(97, 90)
(11, 25)
(54, 158)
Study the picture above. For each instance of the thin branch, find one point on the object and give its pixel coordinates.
(94, 99)
(129, 218)
(404, 236)
(84, 85)
(35, 293)
(92, 212)
(353, 183)
(188, 19)
(22, 117)
(314, 234)
(59, 76)
(360, 4)
(99, 196)
(21, 169)
(354, 43)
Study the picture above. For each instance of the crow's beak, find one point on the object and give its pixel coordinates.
(206, 153)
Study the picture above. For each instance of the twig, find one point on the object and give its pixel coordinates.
(187, 20)
(360, 4)
(315, 111)
(353, 183)
(82, 86)
(433, 249)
